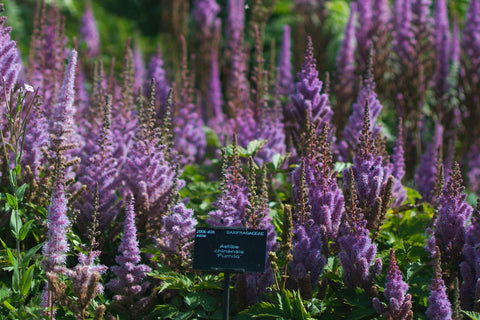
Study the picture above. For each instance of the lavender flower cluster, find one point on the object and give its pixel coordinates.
(111, 155)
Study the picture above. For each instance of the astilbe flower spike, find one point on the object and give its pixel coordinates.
(128, 285)
(162, 87)
(9, 60)
(216, 119)
(399, 302)
(56, 247)
(371, 179)
(139, 67)
(232, 202)
(175, 241)
(285, 76)
(353, 128)
(344, 87)
(100, 175)
(61, 126)
(439, 307)
(357, 252)
(205, 13)
(470, 266)
(397, 168)
(89, 32)
(450, 225)
(425, 174)
(308, 102)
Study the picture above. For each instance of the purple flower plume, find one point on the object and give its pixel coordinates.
(9, 59)
(427, 170)
(450, 226)
(56, 247)
(205, 13)
(442, 43)
(82, 274)
(308, 104)
(351, 132)
(89, 32)
(399, 302)
(139, 67)
(176, 237)
(470, 266)
(439, 307)
(162, 87)
(128, 284)
(285, 77)
(63, 133)
(357, 254)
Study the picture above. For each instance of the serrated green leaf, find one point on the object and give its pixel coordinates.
(192, 300)
(26, 281)
(166, 311)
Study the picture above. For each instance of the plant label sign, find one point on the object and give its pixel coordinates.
(230, 250)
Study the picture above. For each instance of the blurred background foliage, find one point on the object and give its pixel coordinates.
(148, 22)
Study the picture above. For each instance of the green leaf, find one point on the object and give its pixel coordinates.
(9, 306)
(26, 258)
(254, 146)
(5, 293)
(15, 223)
(21, 191)
(11, 255)
(340, 166)
(472, 315)
(25, 229)
(26, 281)
(166, 311)
(12, 178)
(12, 201)
(16, 280)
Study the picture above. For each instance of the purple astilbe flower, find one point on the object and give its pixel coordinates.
(47, 54)
(439, 307)
(442, 44)
(397, 168)
(64, 139)
(363, 31)
(308, 102)
(270, 129)
(150, 177)
(450, 225)
(216, 119)
(162, 86)
(235, 22)
(427, 170)
(100, 176)
(357, 252)
(325, 198)
(232, 202)
(455, 44)
(473, 174)
(370, 178)
(204, 13)
(82, 274)
(404, 35)
(399, 302)
(353, 128)
(470, 266)
(9, 59)
(285, 77)
(128, 285)
(89, 32)
(470, 71)
(190, 140)
(56, 246)
(139, 67)
(345, 85)
(36, 139)
(175, 241)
